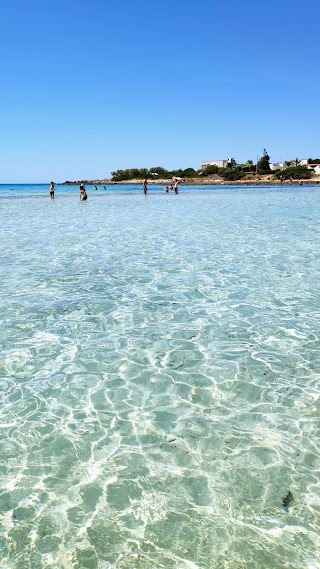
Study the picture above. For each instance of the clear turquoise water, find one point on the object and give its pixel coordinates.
(159, 378)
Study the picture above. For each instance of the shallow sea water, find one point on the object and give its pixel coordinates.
(160, 378)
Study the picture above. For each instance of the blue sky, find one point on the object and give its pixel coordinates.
(91, 87)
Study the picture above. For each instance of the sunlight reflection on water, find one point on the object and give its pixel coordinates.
(159, 379)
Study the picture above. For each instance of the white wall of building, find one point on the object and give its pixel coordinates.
(315, 168)
(276, 166)
(219, 163)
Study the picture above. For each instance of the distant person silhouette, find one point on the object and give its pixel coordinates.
(52, 190)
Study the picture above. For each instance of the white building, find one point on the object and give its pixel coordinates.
(298, 162)
(228, 163)
(276, 166)
(315, 168)
(282, 166)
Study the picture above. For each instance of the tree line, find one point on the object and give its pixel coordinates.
(293, 170)
(155, 172)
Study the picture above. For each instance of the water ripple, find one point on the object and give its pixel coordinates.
(159, 381)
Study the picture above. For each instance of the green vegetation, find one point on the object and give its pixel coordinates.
(263, 165)
(294, 173)
(155, 172)
(210, 170)
(129, 174)
(294, 170)
(232, 174)
(187, 173)
(290, 163)
(249, 167)
(237, 172)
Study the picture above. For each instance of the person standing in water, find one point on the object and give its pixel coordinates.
(176, 187)
(52, 190)
(145, 186)
(83, 194)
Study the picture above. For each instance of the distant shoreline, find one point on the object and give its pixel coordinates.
(199, 182)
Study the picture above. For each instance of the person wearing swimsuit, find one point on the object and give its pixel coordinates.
(52, 190)
(82, 189)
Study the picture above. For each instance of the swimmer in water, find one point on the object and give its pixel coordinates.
(52, 190)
